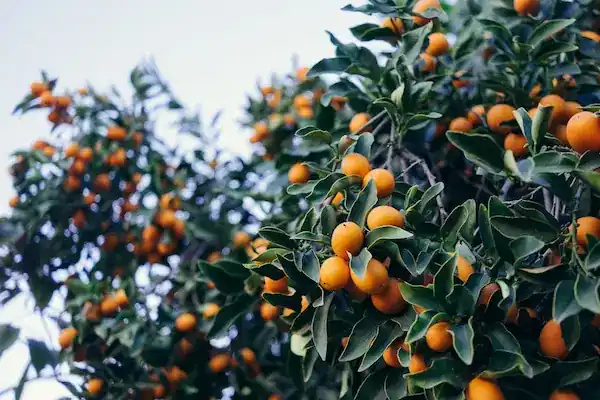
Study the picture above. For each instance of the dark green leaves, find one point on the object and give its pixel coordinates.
(359, 263)
(277, 236)
(587, 293)
(330, 65)
(314, 134)
(230, 313)
(8, 335)
(462, 340)
(413, 42)
(481, 149)
(319, 326)
(363, 332)
(564, 304)
(443, 370)
(547, 29)
(386, 233)
(366, 200)
(516, 227)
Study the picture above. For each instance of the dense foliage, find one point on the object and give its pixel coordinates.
(417, 222)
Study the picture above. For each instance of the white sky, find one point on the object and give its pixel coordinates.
(211, 52)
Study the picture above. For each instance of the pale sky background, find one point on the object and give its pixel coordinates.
(210, 51)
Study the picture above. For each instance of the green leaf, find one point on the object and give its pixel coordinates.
(485, 229)
(515, 227)
(502, 339)
(587, 293)
(330, 65)
(554, 162)
(592, 260)
(41, 355)
(314, 134)
(564, 304)
(267, 269)
(462, 340)
(423, 321)
(386, 233)
(293, 301)
(590, 177)
(309, 264)
(413, 41)
(395, 384)
(367, 32)
(308, 362)
(524, 246)
(506, 363)
(312, 237)
(539, 126)
(453, 224)
(8, 336)
(230, 313)
(524, 121)
(481, 149)
(277, 236)
(420, 296)
(359, 263)
(388, 332)
(301, 188)
(270, 255)
(366, 200)
(223, 281)
(443, 279)
(372, 387)
(573, 372)
(547, 29)
(359, 341)
(363, 144)
(328, 220)
(319, 326)
(430, 195)
(442, 370)
(21, 385)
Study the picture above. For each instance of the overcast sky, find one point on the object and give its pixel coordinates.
(211, 52)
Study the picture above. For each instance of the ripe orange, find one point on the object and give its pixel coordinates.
(165, 218)
(261, 131)
(393, 23)
(499, 114)
(583, 132)
(337, 199)
(516, 143)
(213, 256)
(299, 173)
(301, 101)
(67, 337)
(572, 108)
(95, 386)
(385, 216)
(561, 394)
(47, 99)
(109, 305)
(240, 239)
(358, 121)
(384, 181)
(121, 298)
(527, 7)
(486, 293)
(464, 269)
(102, 182)
(335, 273)
(305, 112)
(115, 132)
(461, 124)
(375, 279)
(390, 301)
(438, 337)
(210, 310)
(175, 375)
(86, 154)
(483, 389)
(355, 164)
(268, 312)
(428, 61)
(37, 88)
(248, 355)
(71, 150)
(416, 364)
(63, 101)
(560, 107)
(137, 138)
(560, 132)
(390, 355)
(185, 322)
(275, 397)
(438, 44)
(354, 292)
(14, 201)
(276, 285)
(338, 102)
(150, 234)
(420, 7)
(347, 238)
(587, 226)
(552, 343)
(590, 35)
(301, 73)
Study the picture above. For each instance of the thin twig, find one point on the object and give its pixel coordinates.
(379, 127)
(430, 178)
(390, 154)
(372, 120)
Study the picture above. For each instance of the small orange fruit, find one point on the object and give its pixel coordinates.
(335, 273)
(337, 199)
(421, 7)
(475, 115)
(67, 337)
(552, 343)
(248, 355)
(86, 154)
(175, 375)
(165, 219)
(121, 298)
(117, 133)
(516, 143)
(210, 310)
(185, 322)
(464, 269)
(241, 239)
(587, 226)
(301, 73)
(560, 107)
(47, 99)
(390, 355)
(63, 101)
(394, 24)
(438, 337)
(561, 394)
(384, 181)
(375, 279)
(461, 124)
(527, 7)
(483, 389)
(14, 201)
(102, 182)
(71, 150)
(499, 114)
(583, 132)
(276, 285)
(572, 108)
(268, 312)
(95, 386)
(428, 62)
(560, 132)
(486, 293)
(384, 216)
(37, 88)
(347, 238)
(355, 164)
(358, 122)
(299, 173)
(109, 305)
(390, 301)
(416, 364)
(590, 35)
(338, 102)
(438, 44)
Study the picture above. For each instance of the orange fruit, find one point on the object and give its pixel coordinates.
(301, 73)
(210, 310)
(301, 101)
(416, 364)
(248, 355)
(175, 375)
(483, 389)
(79, 219)
(150, 234)
(14, 201)
(267, 90)
(394, 24)
(276, 285)
(288, 119)
(375, 279)
(461, 124)
(355, 164)
(438, 337)
(261, 131)
(572, 108)
(560, 107)
(561, 394)
(499, 114)
(337, 199)
(275, 397)
(78, 167)
(67, 337)
(552, 343)
(241, 239)
(390, 355)
(109, 305)
(37, 88)
(390, 301)
(583, 132)
(338, 102)
(527, 7)
(115, 132)
(384, 181)
(347, 238)
(102, 182)
(384, 216)
(165, 219)
(121, 298)
(95, 386)
(268, 312)
(354, 292)
(137, 138)
(71, 150)
(335, 273)
(305, 112)
(85, 154)
(170, 201)
(185, 322)
(299, 173)
(587, 226)
(438, 44)
(213, 256)
(63, 101)
(590, 35)
(72, 183)
(420, 7)
(560, 132)
(358, 121)
(464, 269)
(486, 293)
(47, 99)
(428, 61)
(516, 143)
